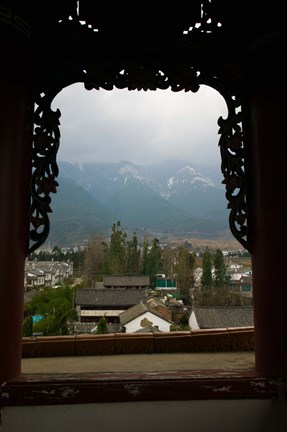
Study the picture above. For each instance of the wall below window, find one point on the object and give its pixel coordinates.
(169, 416)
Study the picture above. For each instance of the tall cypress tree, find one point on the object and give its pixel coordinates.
(144, 266)
(154, 260)
(118, 249)
(133, 255)
(185, 268)
(95, 259)
(206, 278)
(221, 277)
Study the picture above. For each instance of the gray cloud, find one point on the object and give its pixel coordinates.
(143, 127)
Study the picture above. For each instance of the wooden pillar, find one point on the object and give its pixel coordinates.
(267, 179)
(16, 110)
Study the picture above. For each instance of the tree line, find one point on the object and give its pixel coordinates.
(125, 255)
(121, 256)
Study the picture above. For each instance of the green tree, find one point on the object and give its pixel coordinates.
(168, 261)
(133, 255)
(217, 293)
(55, 324)
(185, 269)
(56, 306)
(117, 249)
(76, 257)
(206, 278)
(78, 260)
(154, 260)
(28, 326)
(102, 327)
(57, 254)
(96, 259)
(145, 257)
(221, 277)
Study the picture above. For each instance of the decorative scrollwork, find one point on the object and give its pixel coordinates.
(232, 167)
(45, 145)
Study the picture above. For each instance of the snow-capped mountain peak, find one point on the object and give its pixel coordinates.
(129, 172)
(129, 169)
(189, 177)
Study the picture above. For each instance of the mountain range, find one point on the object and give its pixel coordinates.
(170, 198)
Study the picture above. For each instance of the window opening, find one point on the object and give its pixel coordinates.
(171, 135)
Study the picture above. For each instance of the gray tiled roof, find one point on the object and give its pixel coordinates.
(46, 266)
(126, 281)
(80, 328)
(109, 297)
(37, 272)
(222, 317)
(133, 312)
(137, 310)
(153, 302)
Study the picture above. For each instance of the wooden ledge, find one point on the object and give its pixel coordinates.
(126, 387)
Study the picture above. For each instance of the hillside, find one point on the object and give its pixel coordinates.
(76, 215)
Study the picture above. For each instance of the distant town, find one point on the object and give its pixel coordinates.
(119, 285)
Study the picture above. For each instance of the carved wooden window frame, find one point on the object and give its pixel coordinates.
(148, 77)
(46, 140)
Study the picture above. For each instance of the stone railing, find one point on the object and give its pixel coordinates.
(215, 340)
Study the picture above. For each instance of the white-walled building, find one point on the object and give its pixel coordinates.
(141, 316)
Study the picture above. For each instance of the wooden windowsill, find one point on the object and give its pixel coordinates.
(46, 388)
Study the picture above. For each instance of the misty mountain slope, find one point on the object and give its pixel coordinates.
(169, 197)
(104, 180)
(139, 206)
(197, 194)
(76, 214)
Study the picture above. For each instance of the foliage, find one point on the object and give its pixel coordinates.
(76, 257)
(121, 256)
(206, 278)
(216, 290)
(28, 326)
(132, 255)
(168, 261)
(96, 259)
(102, 327)
(117, 249)
(221, 277)
(55, 324)
(145, 257)
(220, 294)
(56, 306)
(220, 297)
(179, 327)
(185, 276)
(153, 261)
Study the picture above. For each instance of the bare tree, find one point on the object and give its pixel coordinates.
(96, 259)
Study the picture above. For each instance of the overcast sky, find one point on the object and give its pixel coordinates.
(142, 127)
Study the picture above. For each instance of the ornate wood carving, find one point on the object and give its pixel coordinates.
(45, 145)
